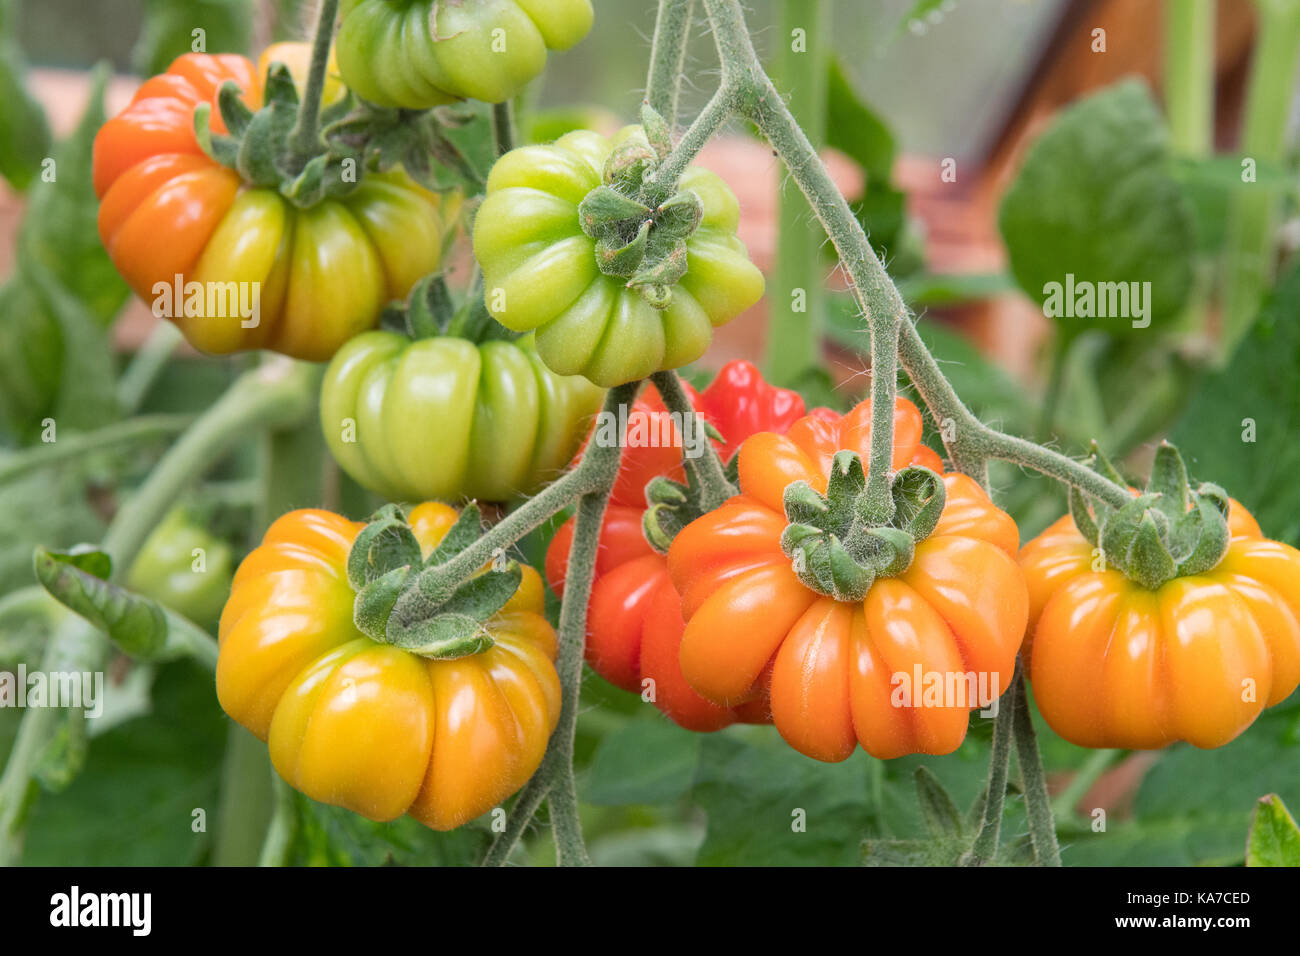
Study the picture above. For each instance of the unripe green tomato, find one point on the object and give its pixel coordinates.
(184, 567)
(447, 418)
(417, 54)
(540, 269)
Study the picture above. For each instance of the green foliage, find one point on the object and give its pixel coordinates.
(24, 132)
(1096, 198)
(55, 355)
(133, 803)
(1274, 837)
(647, 761)
(331, 836)
(171, 28)
(1239, 429)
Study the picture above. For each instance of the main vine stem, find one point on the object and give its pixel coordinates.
(747, 90)
(590, 483)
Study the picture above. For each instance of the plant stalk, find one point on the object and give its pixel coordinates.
(668, 58)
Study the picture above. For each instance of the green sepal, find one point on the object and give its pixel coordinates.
(656, 296)
(1120, 527)
(374, 603)
(459, 536)
(385, 543)
(844, 488)
(888, 552)
(1169, 480)
(1209, 519)
(77, 579)
(680, 216)
(235, 113)
(628, 165)
(623, 259)
(831, 569)
(605, 210)
(1102, 466)
(430, 308)
(219, 147)
(656, 131)
(325, 177)
(660, 524)
(454, 628)
(1148, 561)
(1082, 517)
(663, 264)
(804, 504)
(919, 498)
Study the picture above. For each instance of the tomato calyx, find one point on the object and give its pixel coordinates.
(640, 227)
(836, 548)
(430, 311)
(1166, 532)
(257, 144)
(672, 505)
(401, 600)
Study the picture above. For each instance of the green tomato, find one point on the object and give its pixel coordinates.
(184, 567)
(541, 272)
(447, 418)
(485, 49)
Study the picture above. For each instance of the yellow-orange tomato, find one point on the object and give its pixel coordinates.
(843, 673)
(238, 267)
(1114, 664)
(369, 726)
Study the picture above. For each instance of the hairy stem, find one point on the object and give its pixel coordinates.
(1189, 75)
(593, 472)
(521, 814)
(503, 126)
(717, 111)
(1038, 806)
(668, 57)
(985, 846)
(705, 472)
(304, 140)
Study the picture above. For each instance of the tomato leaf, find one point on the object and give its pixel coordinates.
(147, 794)
(645, 762)
(1238, 430)
(1096, 199)
(941, 816)
(60, 227)
(77, 579)
(24, 131)
(1274, 836)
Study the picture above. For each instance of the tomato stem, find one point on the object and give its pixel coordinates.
(985, 845)
(503, 126)
(1038, 806)
(668, 57)
(705, 472)
(304, 140)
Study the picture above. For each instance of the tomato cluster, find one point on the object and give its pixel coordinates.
(799, 601)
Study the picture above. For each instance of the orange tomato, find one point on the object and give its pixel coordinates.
(369, 726)
(896, 672)
(1114, 664)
